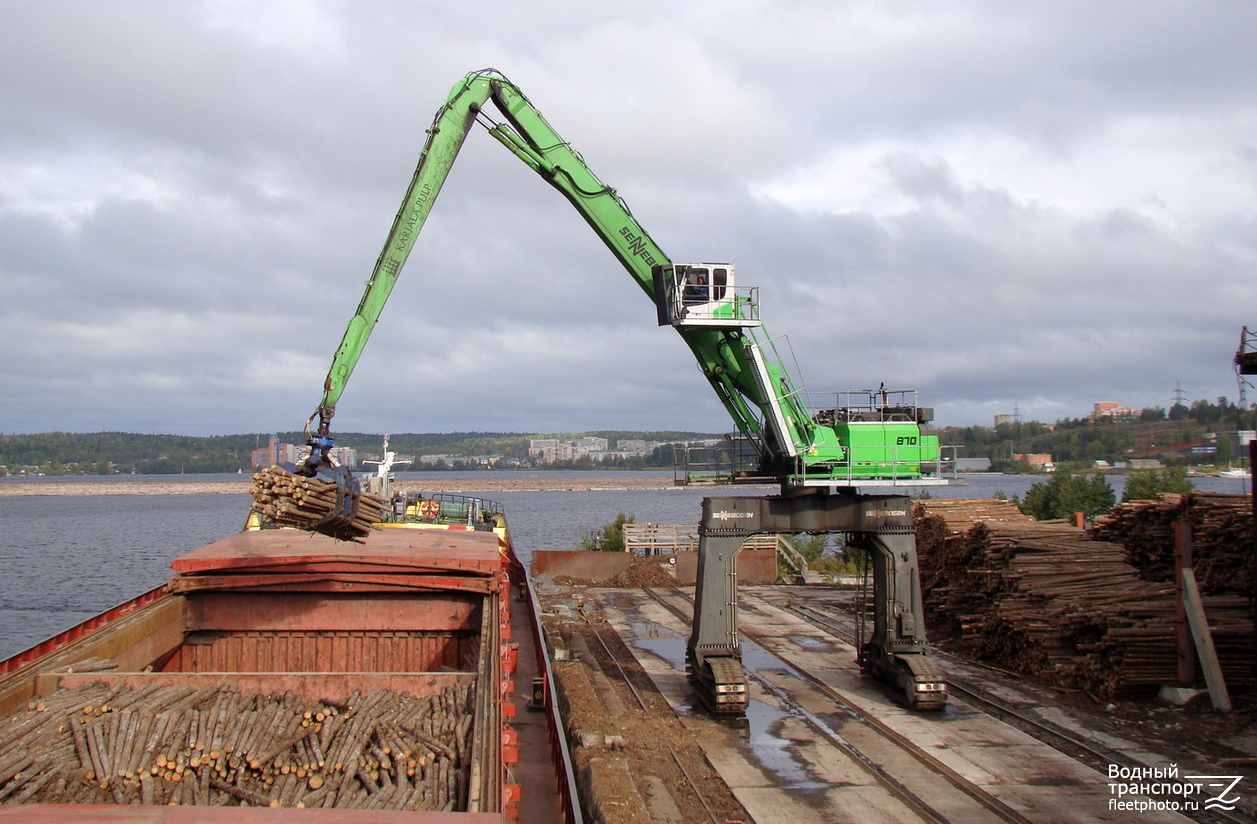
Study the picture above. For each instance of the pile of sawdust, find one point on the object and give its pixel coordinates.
(642, 572)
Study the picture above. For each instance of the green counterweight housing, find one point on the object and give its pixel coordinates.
(878, 443)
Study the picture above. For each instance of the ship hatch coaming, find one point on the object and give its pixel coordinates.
(336, 632)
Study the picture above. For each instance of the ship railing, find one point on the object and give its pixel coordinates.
(445, 508)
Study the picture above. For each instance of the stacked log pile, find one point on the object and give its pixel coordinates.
(944, 557)
(1222, 538)
(181, 745)
(315, 504)
(1046, 599)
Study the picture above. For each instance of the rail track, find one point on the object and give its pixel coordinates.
(1066, 741)
(932, 790)
(597, 629)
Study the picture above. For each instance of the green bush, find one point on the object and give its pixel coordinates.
(1066, 494)
(607, 538)
(1145, 485)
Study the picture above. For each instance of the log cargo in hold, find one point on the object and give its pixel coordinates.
(281, 669)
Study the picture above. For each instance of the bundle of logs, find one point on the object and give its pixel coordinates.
(1044, 598)
(315, 504)
(941, 557)
(1222, 538)
(181, 745)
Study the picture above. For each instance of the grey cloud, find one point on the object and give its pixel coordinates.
(191, 201)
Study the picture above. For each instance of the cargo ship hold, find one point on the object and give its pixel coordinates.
(402, 679)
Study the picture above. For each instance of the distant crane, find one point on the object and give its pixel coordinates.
(1246, 364)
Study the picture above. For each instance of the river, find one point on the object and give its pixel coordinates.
(67, 558)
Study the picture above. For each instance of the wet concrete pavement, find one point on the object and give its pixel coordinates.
(802, 757)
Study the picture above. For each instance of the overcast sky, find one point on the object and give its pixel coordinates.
(1030, 206)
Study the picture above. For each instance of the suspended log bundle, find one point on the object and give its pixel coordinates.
(1222, 538)
(1044, 598)
(181, 745)
(315, 504)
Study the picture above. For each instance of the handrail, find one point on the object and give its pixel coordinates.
(884, 466)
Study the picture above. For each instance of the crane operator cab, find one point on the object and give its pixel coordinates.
(703, 294)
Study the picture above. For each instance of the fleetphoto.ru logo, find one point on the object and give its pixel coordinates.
(1162, 789)
(1221, 787)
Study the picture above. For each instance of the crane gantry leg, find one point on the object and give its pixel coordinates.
(896, 651)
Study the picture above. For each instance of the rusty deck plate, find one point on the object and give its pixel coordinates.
(390, 550)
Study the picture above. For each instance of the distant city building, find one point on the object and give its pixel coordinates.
(1038, 461)
(277, 452)
(343, 455)
(1115, 411)
(630, 447)
(544, 450)
(550, 450)
(1003, 420)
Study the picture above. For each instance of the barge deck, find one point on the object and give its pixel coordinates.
(409, 656)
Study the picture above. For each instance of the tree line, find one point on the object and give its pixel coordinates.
(1080, 442)
(109, 453)
(1166, 435)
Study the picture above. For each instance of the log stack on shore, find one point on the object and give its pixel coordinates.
(1045, 598)
(315, 504)
(187, 746)
(1222, 538)
(944, 557)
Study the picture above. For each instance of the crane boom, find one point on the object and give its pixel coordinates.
(878, 442)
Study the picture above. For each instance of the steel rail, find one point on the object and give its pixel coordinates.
(1044, 731)
(641, 703)
(694, 787)
(615, 660)
(893, 785)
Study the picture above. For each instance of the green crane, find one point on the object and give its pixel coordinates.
(870, 438)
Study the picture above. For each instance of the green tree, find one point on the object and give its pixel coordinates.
(607, 538)
(1147, 484)
(811, 547)
(1225, 450)
(1066, 494)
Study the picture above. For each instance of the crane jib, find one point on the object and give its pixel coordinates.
(638, 246)
(405, 236)
(716, 318)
